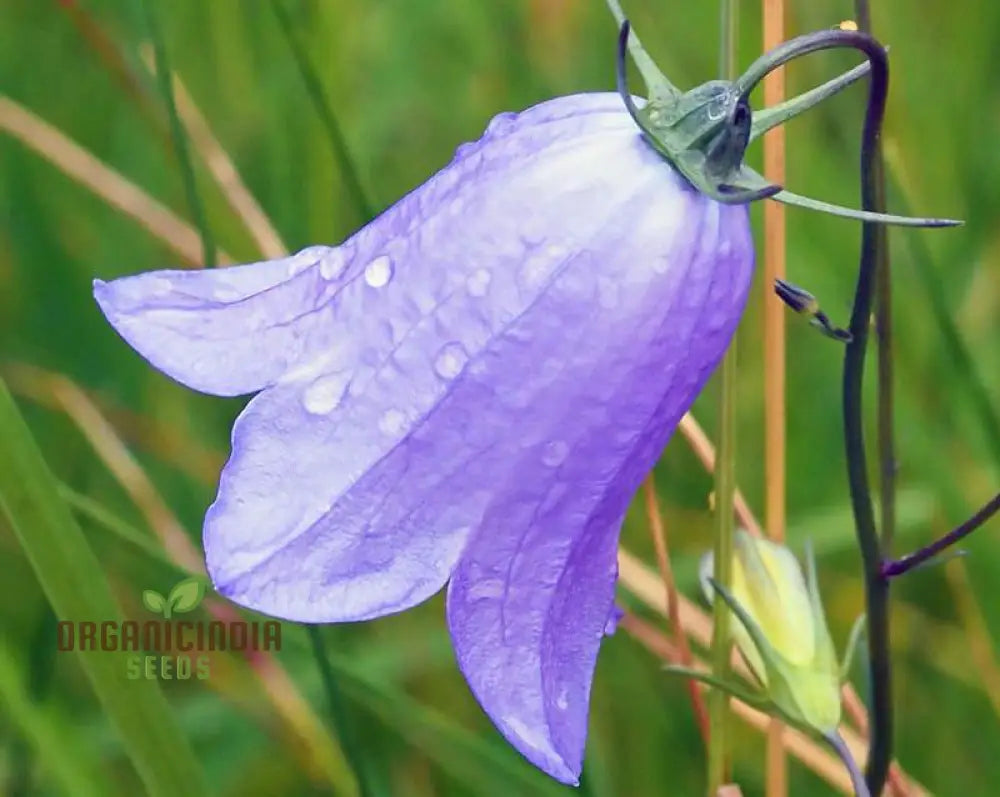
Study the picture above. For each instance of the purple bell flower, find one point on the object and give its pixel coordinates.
(468, 391)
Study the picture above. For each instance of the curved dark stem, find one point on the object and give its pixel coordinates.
(621, 73)
(897, 567)
(876, 587)
(804, 45)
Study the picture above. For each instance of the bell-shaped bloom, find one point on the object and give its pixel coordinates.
(781, 630)
(466, 391)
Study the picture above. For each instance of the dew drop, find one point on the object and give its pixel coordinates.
(325, 394)
(392, 422)
(661, 264)
(534, 271)
(554, 453)
(378, 273)
(332, 264)
(608, 293)
(159, 286)
(501, 123)
(478, 283)
(305, 258)
(450, 360)
(562, 700)
(556, 251)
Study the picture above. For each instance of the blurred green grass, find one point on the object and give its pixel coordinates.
(409, 82)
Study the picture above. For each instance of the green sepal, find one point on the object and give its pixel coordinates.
(766, 118)
(852, 645)
(704, 132)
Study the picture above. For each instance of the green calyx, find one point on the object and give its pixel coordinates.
(704, 132)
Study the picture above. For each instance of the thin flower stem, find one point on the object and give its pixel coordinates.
(659, 535)
(725, 485)
(883, 338)
(337, 707)
(773, 12)
(177, 134)
(857, 781)
(876, 587)
(314, 87)
(897, 567)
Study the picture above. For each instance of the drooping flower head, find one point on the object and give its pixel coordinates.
(467, 391)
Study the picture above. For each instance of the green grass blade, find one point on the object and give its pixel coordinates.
(72, 580)
(59, 747)
(164, 78)
(334, 132)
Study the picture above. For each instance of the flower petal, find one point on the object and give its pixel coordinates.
(237, 330)
(600, 389)
(228, 331)
(334, 463)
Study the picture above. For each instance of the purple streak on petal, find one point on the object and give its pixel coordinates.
(530, 599)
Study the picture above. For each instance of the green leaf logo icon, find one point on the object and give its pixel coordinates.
(185, 596)
(154, 601)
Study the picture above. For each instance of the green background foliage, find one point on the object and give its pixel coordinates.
(409, 80)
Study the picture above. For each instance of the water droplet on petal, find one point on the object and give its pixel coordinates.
(660, 264)
(160, 285)
(378, 273)
(608, 293)
(478, 283)
(562, 701)
(325, 394)
(305, 258)
(554, 453)
(534, 271)
(332, 264)
(450, 360)
(500, 123)
(392, 422)
(464, 149)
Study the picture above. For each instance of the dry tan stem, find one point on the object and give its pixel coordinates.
(659, 535)
(773, 12)
(705, 451)
(115, 454)
(90, 172)
(221, 167)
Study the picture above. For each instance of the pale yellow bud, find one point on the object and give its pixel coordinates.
(783, 634)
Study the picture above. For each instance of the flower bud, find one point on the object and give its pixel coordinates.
(780, 629)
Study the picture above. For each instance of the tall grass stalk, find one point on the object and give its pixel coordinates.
(725, 482)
